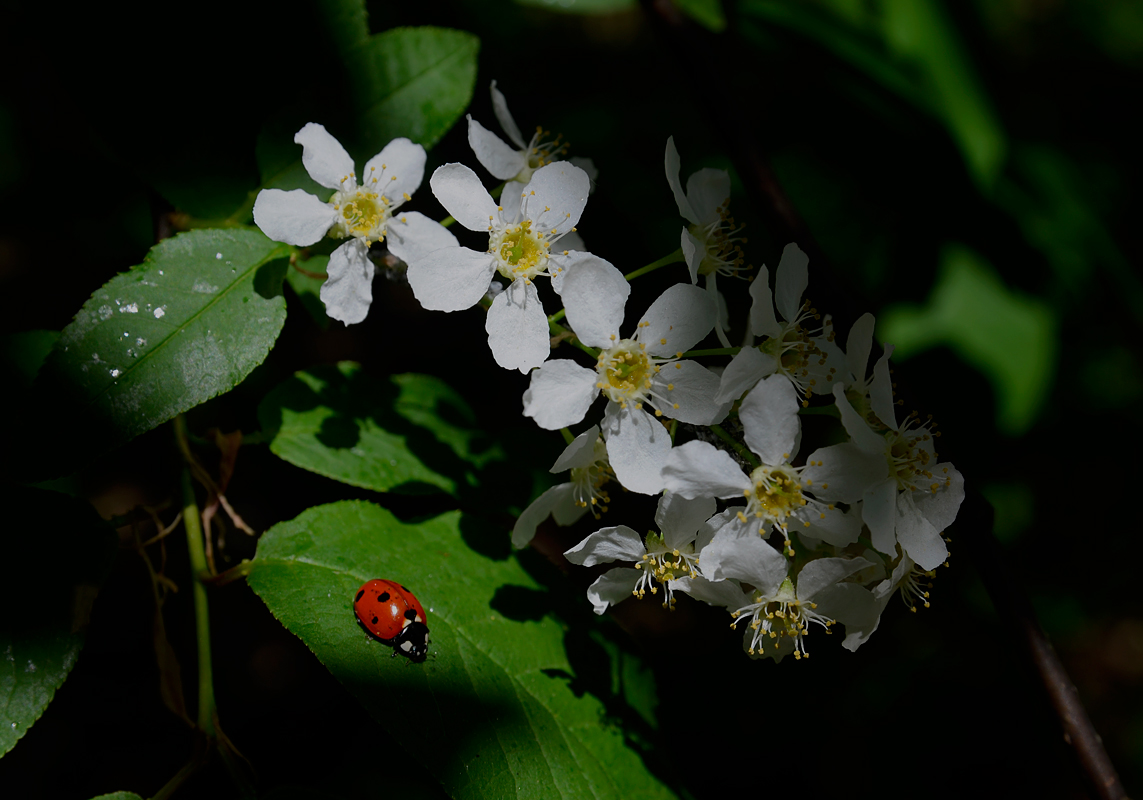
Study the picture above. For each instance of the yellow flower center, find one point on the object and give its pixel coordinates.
(625, 372)
(521, 252)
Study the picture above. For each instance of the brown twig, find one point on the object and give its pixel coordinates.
(975, 518)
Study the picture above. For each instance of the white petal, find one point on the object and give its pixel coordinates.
(822, 572)
(769, 417)
(721, 312)
(724, 594)
(637, 446)
(567, 511)
(748, 367)
(504, 117)
(858, 345)
(832, 525)
(608, 544)
(680, 518)
(412, 236)
(881, 390)
(917, 535)
(879, 510)
(672, 165)
(855, 425)
(699, 469)
(594, 294)
(348, 290)
(581, 452)
(323, 156)
(510, 200)
(536, 512)
(518, 327)
(748, 558)
(693, 253)
(295, 217)
(714, 525)
(613, 586)
(852, 605)
(396, 171)
(707, 190)
(762, 319)
(559, 394)
(560, 195)
(689, 386)
(464, 196)
(793, 276)
(681, 317)
(451, 278)
(940, 508)
(588, 166)
(502, 161)
(845, 474)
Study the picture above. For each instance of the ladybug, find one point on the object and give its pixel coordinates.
(389, 612)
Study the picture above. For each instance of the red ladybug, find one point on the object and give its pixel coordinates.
(389, 612)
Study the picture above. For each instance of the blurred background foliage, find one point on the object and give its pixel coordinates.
(968, 170)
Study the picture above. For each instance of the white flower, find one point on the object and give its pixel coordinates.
(516, 164)
(777, 614)
(644, 370)
(586, 457)
(711, 245)
(362, 211)
(520, 247)
(805, 355)
(907, 579)
(779, 496)
(661, 558)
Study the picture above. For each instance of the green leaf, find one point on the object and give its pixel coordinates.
(22, 354)
(409, 433)
(57, 552)
(1011, 338)
(413, 82)
(346, 21)
(707, 13)
(583, 6)
(308, 287)
(491, 713)
(191, 322)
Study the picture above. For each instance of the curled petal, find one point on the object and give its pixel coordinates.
(881, 390)
(699, 469)
(581, 452)
(749, 366)
(613, 586)
(504, 117)
(672, 164)
(498, 158)
(594, 294)
(858, 345)
(412, 236)
(790, 285)
(323, 156)
(680, 518)
(538, 511)
(762, 319)
(608, 544)
(769, 417)
(708, 190)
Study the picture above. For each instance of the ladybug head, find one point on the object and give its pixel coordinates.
(413, 642)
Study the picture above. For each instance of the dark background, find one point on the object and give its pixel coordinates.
(107, 123)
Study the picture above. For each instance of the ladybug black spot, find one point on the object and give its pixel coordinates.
(359, 595)
(375, 620)
(383, 597)
(410, 614)
(403, 588)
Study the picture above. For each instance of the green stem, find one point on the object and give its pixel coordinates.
(499, 190)
(738, 448)
(558, 315)
(569, 437)
(192, 522)
(718, 351)
(447, 221)
(654, 265)
(557, 330)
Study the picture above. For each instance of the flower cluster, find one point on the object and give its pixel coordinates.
(782, 541)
